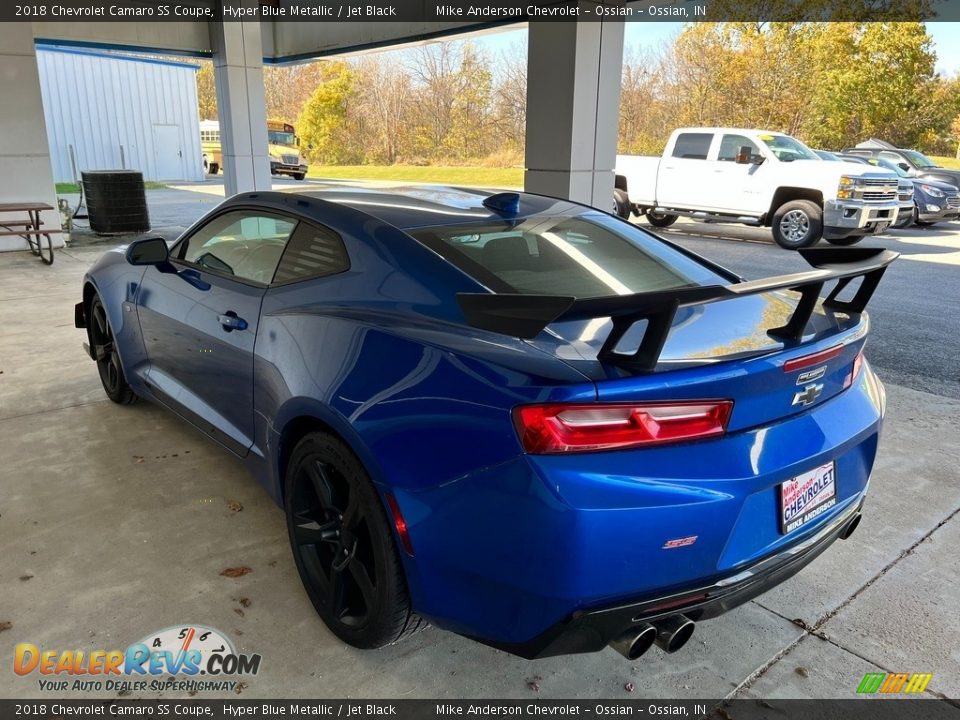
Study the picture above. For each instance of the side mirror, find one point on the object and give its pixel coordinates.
(148, 251)
(744, 155)
(903, 166)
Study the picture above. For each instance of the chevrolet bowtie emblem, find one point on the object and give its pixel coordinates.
(807, 395)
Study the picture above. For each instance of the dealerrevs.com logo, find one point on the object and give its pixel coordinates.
(191, 658)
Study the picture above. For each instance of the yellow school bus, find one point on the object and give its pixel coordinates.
(210, 146)
(283, 146)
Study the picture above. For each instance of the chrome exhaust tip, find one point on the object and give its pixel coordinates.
(851, 526)
(635, 641)
(673, 632)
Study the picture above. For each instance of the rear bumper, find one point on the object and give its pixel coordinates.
(542, 555)
(592, 630)
(845, 218)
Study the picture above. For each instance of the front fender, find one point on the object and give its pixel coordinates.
(117, 283)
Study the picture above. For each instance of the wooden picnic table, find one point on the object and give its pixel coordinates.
(30, 228)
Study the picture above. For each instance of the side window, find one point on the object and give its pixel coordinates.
(244, 244)
(730, 145)
(312, 252)
(892, 157)
(692, 146)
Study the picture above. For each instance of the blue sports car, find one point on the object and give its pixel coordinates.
(516, 417)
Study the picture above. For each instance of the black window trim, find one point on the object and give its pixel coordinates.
(182, 242)
(305, 278)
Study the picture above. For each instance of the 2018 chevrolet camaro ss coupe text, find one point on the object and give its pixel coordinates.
(521, 419)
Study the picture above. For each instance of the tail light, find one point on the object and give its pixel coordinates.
(854, 371)
(580, 428)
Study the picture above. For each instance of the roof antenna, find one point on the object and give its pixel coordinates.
(505, 203)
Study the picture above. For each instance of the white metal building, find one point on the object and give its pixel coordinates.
(107, 112)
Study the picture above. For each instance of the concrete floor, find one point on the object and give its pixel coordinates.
(114, 522)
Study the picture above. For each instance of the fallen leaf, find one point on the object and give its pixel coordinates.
(5, 625)
(533, 685)
(24, 578)
(629, 687)
(234, 506)
(245, 601)
(801, 671)
(238, 611)
(800, 623)
(241, 686)
(236, 572)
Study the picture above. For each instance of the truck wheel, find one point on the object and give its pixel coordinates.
(851, 240)
(797, 224)
(918, 222)
(214, 168)
(621, 204)
(298, 176)
(661, 220)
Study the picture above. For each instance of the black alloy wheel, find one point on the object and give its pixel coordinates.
(343, 545)
(104, 347)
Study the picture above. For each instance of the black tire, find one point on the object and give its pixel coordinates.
(298, 176)
(343, 545)
(621, 204)
(661, 220)
(103, 345)
(797, 224)
(851, 240)
(921, 223)
(214, 168)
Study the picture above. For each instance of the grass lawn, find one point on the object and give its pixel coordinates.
(67, 188)
(947, 162)
(442, 175)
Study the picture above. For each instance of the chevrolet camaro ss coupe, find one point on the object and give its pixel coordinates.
(515, 417)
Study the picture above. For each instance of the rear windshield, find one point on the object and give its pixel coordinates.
(590, 255)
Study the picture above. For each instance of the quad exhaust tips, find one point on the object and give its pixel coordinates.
(851, 526)
(635, 641)
(673, 632)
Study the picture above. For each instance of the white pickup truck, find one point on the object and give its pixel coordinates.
(760, 178)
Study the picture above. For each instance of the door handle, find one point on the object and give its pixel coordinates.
(230, 322)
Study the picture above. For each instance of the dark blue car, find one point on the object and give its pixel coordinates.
(519, 418)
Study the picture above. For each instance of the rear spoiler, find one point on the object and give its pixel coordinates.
(525, 316)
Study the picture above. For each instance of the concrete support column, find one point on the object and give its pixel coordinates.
(26, 174)
(573, 101)
(241, 105)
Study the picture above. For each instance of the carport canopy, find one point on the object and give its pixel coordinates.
(573, 90)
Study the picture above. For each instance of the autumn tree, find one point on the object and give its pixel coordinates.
(206, 92)
(323, 123)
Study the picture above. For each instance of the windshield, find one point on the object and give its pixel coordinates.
(919, 159)
(590, 255)
(887, 165)
(787, 149)
(282, 138)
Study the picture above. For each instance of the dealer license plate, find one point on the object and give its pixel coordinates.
(807, 496)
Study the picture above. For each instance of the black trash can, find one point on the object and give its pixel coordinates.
(116, 201)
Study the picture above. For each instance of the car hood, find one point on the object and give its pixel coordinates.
(945, 187)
